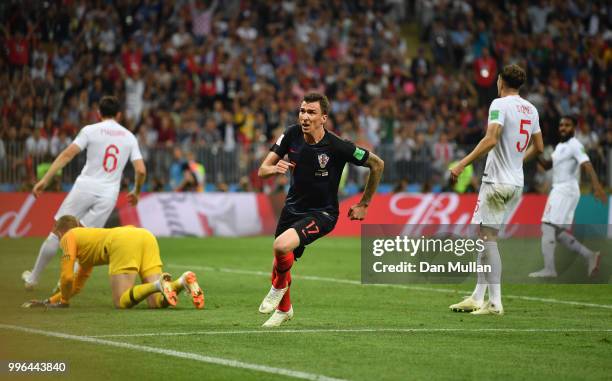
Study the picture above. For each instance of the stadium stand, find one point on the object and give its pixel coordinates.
(221, 78)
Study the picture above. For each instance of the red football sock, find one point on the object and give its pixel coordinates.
(283, 265)
(285, 303)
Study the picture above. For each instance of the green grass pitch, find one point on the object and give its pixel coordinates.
(341, 329)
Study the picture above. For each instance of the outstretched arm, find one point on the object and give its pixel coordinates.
(69, 248)
(376, 165)
(77, 285)
(60, 162)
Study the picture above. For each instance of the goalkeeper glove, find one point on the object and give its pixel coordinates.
(44, 303)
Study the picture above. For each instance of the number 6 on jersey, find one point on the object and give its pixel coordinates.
(110, 155)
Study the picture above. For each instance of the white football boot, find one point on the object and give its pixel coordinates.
(468, 304)
(272, 300)
(544, 273)
(25, 276)
(594, 263)
(278, 318)
(489, 309)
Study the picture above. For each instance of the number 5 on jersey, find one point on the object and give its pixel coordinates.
(109, 163)
(523, 131)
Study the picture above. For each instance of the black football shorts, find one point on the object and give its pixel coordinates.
(309, 226)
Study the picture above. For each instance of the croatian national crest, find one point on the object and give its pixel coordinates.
(323, 160)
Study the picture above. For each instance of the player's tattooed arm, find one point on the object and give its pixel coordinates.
(376, 165)
(274, 165)
(598, 190)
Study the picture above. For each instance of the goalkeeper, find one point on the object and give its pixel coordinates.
(129, 251)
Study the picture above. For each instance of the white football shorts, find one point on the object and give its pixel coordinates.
(496, 204)
(561, 204)
(93, 211)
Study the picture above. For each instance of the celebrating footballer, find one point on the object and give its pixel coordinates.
(315, 157)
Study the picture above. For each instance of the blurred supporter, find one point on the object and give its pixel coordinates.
(36, 145)
(420, 66)
(485, 74)
(18, 48)
(134, 91)
(440, 42)
(244, 185)
(167, 132)
(222, 187)
(228, 131)
(422, 159)
(400, 186)
(62, 60)
(443, 153)
(538, 15)
(202, 18)
(197, 170)
(402, 152)
(210, 135)
(147, 138)
(58, 143)
(370, 123)
(177, 65)
(189, 181)
(176, 168)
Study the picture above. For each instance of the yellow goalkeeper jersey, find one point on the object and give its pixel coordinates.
(87, 246)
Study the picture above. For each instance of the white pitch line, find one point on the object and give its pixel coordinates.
(366, 330)
(401, 286)
(178, 354)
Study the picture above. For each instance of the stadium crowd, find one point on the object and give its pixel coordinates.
(226, 76)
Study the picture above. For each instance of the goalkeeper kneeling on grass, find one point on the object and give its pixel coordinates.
(128, 251)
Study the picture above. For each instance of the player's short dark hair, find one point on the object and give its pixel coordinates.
(318, 97)
(571, 118)
(109, 106)
(514, 76)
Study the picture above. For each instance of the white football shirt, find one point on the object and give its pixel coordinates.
(109, 145)
(566, 159)
(518, 120)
